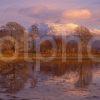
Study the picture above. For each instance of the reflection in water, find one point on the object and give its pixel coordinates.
(81, 74)
(85, 76)
(13, 76)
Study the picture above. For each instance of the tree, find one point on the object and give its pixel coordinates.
(33, 34)
(7, 48)
(46, 47)
(83, 33)
(34, 31)
(16, 31)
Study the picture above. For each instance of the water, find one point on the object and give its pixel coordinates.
(55, 81)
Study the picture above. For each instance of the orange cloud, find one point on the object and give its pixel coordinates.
(77, 14)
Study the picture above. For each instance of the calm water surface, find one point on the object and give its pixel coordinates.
(55, 81)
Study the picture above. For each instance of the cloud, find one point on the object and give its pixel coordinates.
(29, 15)
(71, 26)
(64, 29)
(78, 14)
(42, 13)
(95, 31)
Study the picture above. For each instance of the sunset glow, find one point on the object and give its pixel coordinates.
(27, 12)
(49, 49)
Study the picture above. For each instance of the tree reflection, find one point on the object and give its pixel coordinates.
(80, 74)
(13, 76)
(85, 76)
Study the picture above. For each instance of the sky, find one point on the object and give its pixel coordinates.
(64, 12)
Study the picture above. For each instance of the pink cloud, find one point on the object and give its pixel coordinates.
(78, 14)
(95, 31)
